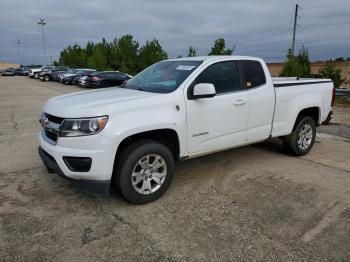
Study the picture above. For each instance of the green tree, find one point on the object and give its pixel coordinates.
(304, 61)
(330, 70)
(73, 56)
(192, 52)
(297, 66)
(98, 59)
(89, 49)
(339, 59)
(219, 48)
(124, 54)
(151, 53)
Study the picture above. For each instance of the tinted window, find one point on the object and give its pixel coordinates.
(252, 73)
(223, 76)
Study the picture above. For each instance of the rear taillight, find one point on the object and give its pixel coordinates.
(95, 78)
(333, 96)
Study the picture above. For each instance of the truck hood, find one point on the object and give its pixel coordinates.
(34, 70)
(94, 102)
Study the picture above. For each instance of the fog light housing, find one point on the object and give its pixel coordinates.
(78, 164)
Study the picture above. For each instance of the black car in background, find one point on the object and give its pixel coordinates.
(106, 79)
(8, 72)
(59, 76)
(56, 74)
(48, 75)
(69, 78)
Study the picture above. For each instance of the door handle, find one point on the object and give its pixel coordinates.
(239, 102)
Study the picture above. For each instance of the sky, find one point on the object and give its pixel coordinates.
(260, 28)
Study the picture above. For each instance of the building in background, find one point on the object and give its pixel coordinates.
(276, 69)
(4, 65)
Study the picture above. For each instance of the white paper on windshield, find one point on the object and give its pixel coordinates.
(185, 67)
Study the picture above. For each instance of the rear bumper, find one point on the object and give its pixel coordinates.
(329, 118)
(93, 187)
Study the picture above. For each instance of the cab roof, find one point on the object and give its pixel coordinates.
(214, 58)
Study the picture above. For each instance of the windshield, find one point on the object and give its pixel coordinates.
(162, 77)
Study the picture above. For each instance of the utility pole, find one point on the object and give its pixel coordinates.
(295, 27)
(42, 22)
(18, 54)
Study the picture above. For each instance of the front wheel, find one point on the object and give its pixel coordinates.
(46, 78)
(145, 171)
(302, 139)
(36, 75)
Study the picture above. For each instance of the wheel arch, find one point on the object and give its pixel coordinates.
(314, 112)
(168, 137)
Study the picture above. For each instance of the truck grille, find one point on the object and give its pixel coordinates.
(51, 135)
(54, 119)
(51, 127)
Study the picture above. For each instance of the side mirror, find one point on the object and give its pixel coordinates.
(204, 90)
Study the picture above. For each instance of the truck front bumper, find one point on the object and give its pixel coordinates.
(93, 187)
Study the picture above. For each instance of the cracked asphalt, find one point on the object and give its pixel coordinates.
(247, 204)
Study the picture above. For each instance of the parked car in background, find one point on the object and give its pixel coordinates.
(8, 72)
(48, 75)
(34, 72)
(22, 71)
(56, 75)
(45, 71)
(106, 79)
(69, 77)
(60, 76)
(80, 81)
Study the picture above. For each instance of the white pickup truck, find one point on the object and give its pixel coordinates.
(174, 110)
(34, 72)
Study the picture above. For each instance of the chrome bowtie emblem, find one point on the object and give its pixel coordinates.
(44, 121)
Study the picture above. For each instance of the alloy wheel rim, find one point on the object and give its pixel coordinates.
(148, 174)
(305, 137)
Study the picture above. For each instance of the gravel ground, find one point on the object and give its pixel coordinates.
(247, 204)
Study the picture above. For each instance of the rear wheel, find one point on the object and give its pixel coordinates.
(145, 171)
(104, 84)
(302, 139)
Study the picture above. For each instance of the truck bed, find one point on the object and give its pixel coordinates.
(293, 93)
(290, 81)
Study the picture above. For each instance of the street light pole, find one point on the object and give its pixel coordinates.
(42, 22)
(18, 54)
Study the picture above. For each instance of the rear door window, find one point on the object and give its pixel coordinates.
(251, 73)
(223, 75)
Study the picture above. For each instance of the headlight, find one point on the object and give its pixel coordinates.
(83, 127)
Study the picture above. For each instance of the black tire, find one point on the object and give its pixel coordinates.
(36, 75)
(291, 145)
(104, 84)
(129, 158)
(47, 78)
